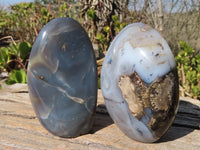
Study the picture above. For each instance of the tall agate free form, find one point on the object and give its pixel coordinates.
(140, 84)
(62, 78)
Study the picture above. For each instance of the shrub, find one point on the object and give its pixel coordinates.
(24, 21)
(188, 64)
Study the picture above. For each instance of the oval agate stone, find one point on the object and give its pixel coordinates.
(139, 83)
(62, 78)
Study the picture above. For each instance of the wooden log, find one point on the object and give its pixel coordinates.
(20, 128)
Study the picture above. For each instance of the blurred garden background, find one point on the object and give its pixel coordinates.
(177, 20)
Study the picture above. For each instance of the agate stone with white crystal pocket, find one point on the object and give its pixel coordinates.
(139, 83)
(62, 78)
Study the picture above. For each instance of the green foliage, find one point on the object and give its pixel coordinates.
(44, 11)
(114, 18)
(117, 25)
(24, 48)
(106, 37)
(17, 76)
(14, 59)
(91, 14)
(14, 53)
(2, 21)
(106, 29)
(101, 37)
(4, 57)
(68, 10)
(24, 21)
(188, 63)
(63, 9)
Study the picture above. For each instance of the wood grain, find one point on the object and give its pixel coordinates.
(20, 128)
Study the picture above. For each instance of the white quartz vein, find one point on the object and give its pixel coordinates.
(75, 99)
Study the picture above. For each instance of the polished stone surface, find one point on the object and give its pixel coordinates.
(62, 78)
(139, 83)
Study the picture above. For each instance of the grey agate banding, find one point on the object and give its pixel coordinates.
(62, 78)
(139, 83)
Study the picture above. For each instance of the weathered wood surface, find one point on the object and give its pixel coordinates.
(20, 129)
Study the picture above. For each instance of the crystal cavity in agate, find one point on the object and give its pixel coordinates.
(139, 83)
(62, 78)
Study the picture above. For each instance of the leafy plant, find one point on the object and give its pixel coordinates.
(17, 76)
(24, 21)
(188, 64)
(91, 14)
(117, 25)
(63, 9)
(103, 41)
(15, 56)
(68, 10)
(2, 22)
(23, 49)
(106, 36)
(14, 59)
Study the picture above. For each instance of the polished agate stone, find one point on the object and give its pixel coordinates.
(62, 78)
(139, 83)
